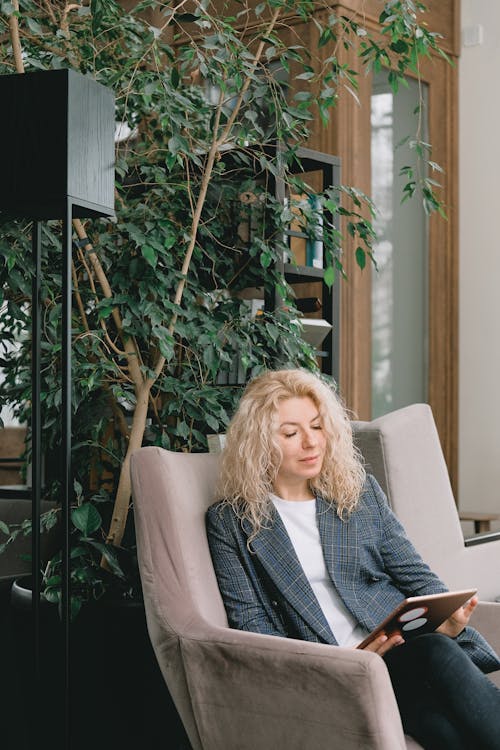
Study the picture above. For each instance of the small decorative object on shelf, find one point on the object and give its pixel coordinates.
(297, 237)
(216, 443)
(315, 330)
(314, 244)
(308, 304)
(255, 306)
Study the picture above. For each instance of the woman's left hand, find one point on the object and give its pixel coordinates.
(456, 622)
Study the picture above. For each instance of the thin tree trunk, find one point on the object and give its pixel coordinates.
(14, 37)
(124, 490)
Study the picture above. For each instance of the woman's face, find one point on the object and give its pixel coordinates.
(302, 441)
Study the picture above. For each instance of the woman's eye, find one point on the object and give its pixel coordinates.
(289, 434)
(317, 427)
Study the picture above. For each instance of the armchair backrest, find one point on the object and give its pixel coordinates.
(176, 490)
(402, 450)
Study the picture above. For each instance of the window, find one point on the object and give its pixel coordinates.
(400, 286)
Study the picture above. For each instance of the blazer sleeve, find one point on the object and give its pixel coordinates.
(414, 577)
(402, 562)
(248, 604)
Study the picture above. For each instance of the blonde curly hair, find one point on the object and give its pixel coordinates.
(251, 457)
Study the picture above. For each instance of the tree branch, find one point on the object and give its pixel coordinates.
(14, 37)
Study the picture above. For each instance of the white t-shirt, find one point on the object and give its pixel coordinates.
(299, 518)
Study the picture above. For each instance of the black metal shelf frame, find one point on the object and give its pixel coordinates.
(309, 160)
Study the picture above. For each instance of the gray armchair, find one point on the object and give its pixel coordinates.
(235, 689)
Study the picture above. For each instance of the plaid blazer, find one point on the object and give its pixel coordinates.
(372, 564)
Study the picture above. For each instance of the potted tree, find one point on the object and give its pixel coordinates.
(202, 97)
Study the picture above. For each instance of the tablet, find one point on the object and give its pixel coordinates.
(420, 614)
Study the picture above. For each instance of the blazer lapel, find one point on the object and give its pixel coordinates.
(340, 546)
(275, 551)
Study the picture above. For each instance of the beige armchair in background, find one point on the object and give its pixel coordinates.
(242, 691)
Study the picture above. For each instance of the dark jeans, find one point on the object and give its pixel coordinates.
(445, 701)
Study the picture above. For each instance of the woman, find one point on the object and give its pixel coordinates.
(305, 546)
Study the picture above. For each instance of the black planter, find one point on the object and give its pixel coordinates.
(118, 697)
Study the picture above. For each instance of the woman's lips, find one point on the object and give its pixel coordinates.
(309, 459)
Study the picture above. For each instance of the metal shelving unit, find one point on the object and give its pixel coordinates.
(329, 168)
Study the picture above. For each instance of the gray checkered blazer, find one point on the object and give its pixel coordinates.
(371, 561)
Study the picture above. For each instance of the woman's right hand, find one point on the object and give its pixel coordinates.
(382, 644)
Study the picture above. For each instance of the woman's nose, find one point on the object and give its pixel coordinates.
(309, 438)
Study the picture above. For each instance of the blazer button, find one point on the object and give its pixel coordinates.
(274, 603)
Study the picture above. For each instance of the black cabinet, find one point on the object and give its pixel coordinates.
(57, 130)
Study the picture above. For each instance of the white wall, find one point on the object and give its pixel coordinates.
(479, 211)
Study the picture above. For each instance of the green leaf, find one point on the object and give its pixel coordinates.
(174, 77)
(329, 276)
(52, 595)
(176, 144)
(325, 36)
(86, 518)
(75, 606)
(150, 255)
(109, 554)
(77, 488)
(53, 581)
(4, 528)
(78, 551)
(34, 26)
(399, 46)
(183, 430)
(212, 422)
(435, 167)
(361, 257)
(266, 259)
(307, 76)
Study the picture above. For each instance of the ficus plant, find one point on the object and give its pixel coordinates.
(212, 101)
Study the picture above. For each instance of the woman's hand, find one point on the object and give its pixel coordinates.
(456, 622)
(382, 644)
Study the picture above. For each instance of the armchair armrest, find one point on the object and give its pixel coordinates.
(490, 536)
(252, 683)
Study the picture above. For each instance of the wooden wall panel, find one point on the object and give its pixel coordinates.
(442, 17)
(444, 263)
